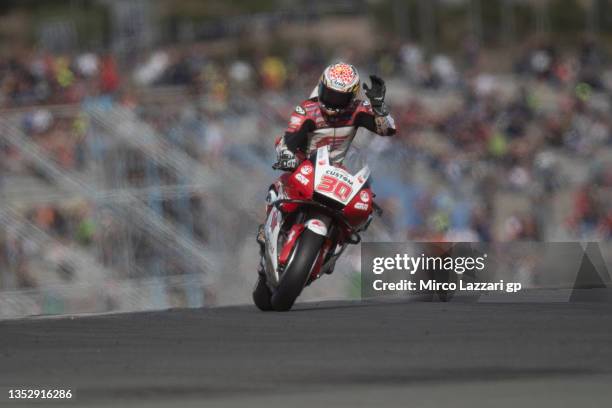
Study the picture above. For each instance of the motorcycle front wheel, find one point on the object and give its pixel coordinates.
(294, 278)
(262, 295)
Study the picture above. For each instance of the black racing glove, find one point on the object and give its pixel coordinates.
(376, 95)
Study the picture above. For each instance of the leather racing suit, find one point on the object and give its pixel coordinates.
(309, 128)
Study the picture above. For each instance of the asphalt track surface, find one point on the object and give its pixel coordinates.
(418, 354)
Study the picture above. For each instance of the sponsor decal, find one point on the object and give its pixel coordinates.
(295, 120)
(300, 110)
(365, 196)
(339, 175)
(306, 169)
(361, 206)
(301, 179)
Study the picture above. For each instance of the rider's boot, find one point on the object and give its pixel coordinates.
(262, 247)
(261, 240)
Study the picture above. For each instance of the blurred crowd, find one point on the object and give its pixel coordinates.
(536, 134)
(522, 155)
(32, 78)
(483, 147)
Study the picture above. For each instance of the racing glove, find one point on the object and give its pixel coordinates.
(285, 160)
(376, 95)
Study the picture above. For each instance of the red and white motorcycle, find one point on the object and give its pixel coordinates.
(313, 214)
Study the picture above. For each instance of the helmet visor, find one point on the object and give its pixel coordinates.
(334, 99)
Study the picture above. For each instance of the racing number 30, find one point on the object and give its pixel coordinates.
(336, 187)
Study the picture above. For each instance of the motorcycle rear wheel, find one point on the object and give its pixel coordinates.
(295, 276)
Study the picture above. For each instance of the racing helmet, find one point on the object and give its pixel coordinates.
(338, 87)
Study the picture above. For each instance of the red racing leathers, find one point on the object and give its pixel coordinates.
(309, 128)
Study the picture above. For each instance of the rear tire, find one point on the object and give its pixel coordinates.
(294, 278)
(262, 295)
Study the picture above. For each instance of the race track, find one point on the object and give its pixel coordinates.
(321, 354)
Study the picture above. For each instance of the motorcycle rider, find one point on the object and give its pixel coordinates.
(331, 117)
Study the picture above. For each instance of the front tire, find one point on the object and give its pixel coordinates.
(262, 295)
(297, 272)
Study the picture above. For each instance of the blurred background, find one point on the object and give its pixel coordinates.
(136, 137)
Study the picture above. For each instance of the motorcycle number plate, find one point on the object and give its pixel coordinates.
(336, 184)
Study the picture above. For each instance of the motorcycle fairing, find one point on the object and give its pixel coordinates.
(335, 182)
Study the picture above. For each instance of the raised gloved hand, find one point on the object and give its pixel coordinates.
(285, 160)
(376, 95)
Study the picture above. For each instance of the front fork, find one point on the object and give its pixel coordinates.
(278, 258)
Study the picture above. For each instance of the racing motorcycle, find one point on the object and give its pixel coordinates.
(314, 213)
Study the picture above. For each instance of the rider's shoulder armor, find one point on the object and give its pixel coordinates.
(307, 110)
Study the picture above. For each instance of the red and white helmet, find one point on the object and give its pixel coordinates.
(338, 87)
